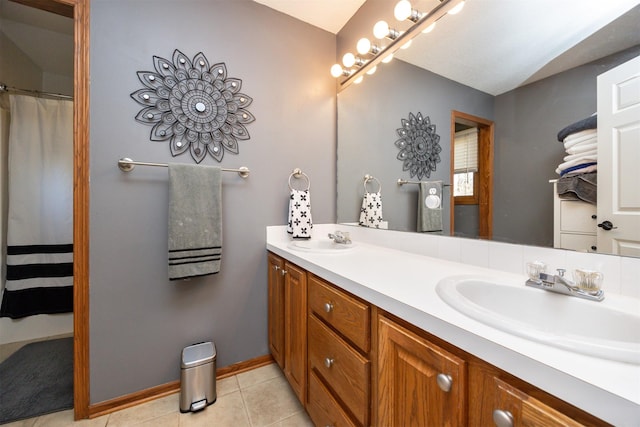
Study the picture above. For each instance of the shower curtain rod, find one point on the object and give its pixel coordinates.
(5, 88)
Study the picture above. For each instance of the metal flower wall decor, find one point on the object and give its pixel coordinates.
(193, 105)
(419, 146)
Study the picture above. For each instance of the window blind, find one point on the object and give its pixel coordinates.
(466, 151)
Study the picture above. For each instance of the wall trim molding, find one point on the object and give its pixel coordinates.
(149, 394)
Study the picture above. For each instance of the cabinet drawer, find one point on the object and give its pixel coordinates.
(346, 314)
(323, 409)
(576, 216)
(578, 242)
(343, 368)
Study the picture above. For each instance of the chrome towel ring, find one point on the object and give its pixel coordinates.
(298, 174)
(368, 178)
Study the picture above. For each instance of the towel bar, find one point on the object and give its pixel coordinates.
(126, 165)
(404, 181)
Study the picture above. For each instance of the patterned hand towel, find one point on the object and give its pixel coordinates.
(371, 210)
(300, 222)
(430, 206)
(195, 221)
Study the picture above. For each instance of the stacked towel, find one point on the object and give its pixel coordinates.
(580, 141)
(195, 221)
(430, 206)
(300, 222)
(371, 211)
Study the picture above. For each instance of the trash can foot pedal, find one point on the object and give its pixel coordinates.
(199, 405)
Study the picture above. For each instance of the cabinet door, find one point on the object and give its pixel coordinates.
(410, 369)
(494, 402)
(276, 308)
(295, 326)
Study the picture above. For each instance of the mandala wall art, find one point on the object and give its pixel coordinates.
(419, 146)
(194, 106)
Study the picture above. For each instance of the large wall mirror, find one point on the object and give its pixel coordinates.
(450, 73)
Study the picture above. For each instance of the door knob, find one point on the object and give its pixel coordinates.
(606, 225)
(502, 418)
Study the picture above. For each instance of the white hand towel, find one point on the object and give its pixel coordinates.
(300, 222)
(371, 210)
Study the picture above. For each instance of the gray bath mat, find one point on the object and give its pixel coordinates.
(37, 380)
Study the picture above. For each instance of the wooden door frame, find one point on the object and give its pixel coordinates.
(485, 171)
(79, 11)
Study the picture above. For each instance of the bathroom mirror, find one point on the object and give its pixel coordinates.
(527, 117)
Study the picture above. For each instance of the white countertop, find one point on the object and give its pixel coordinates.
(403, 284)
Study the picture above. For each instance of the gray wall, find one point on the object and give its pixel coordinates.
(140, 321)
(527, 151)
(368, 116)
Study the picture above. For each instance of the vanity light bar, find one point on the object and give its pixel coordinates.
(421, 24)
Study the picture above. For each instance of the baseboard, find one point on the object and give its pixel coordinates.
(142, 396)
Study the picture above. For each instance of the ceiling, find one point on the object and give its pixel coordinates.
(498, 45)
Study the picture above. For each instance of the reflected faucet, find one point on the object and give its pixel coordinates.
(560, 284)
(340, 237)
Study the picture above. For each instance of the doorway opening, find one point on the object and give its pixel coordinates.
(471, 176)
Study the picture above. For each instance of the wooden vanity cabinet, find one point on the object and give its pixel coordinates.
(288, 321)
(339, 361)
(498, 399)
(419, 383)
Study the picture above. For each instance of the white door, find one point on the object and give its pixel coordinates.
(619, 159)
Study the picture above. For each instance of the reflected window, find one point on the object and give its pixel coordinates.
(465, 184)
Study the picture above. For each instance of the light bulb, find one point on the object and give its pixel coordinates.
(336, 70)
(381, 30)
(373, 70)
(388, 58)
(358, 80)
(457, 8)
(429, 28)
(364, 46)
(402, 10)
(348, 60)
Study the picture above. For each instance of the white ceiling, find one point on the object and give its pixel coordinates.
(498, 45)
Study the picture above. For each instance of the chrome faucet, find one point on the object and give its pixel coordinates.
(340, 237)
(560, 284)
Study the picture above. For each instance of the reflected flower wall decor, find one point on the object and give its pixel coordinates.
(193, 105)
(419, 146)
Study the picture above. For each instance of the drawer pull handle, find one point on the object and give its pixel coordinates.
(444, 382)
(283, 272)
(276, 268)
(502, 418)
(328, 362)
(328, 307)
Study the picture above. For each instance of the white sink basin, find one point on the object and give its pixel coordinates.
(324, 246)
(598, 329)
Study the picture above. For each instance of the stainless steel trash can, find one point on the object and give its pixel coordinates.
(197, 377)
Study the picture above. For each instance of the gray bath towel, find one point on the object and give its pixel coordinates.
(430, 206)
(195, 221)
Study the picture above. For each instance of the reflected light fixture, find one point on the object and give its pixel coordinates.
(365, 47)
(403, 11)
(382, 30)
(457, 8)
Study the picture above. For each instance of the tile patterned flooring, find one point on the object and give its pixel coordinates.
(257, 398)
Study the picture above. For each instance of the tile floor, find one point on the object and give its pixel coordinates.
(257, 398)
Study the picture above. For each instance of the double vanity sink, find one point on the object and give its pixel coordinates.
(585, 352)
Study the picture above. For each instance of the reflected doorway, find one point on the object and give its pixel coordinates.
(471, 176)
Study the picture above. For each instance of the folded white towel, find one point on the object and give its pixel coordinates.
(582, 148)
(587, 135)
(371, 210)
(590, 155)
(300, 222)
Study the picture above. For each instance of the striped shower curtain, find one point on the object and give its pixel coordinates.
(39, 252)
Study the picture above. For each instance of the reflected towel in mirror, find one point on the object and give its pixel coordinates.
(371, 211)
(430, 206)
